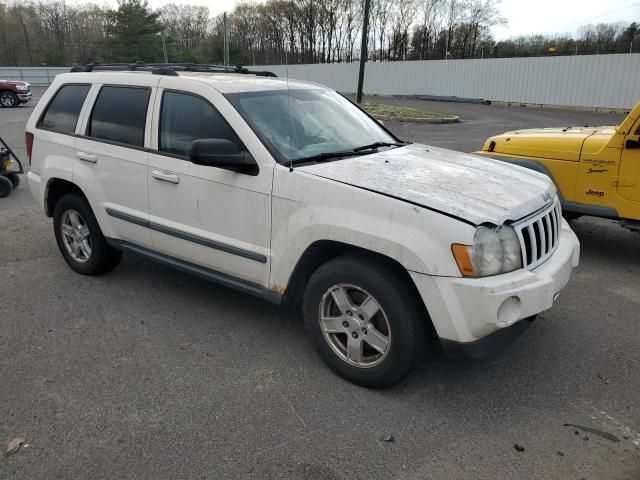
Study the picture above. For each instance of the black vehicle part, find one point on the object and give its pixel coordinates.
(169, 68)
(6, 187)
(5, 153)
(14, 178)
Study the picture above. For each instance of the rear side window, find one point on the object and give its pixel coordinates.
(63, 111)
(185, 118)
(119, 115)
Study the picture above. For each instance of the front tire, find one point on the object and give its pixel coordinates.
(364, 320)
(9, 100)
(80, 239)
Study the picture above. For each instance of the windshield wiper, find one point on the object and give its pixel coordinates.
(324, 156)
(376, 145)
(321, 157)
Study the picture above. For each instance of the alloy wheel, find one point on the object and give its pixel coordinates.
(355, 326)
(7, 100)
(76, 236)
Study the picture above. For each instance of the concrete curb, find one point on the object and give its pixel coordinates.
(384, 118)
(548, 106)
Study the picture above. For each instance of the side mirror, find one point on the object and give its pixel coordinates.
(222, 153)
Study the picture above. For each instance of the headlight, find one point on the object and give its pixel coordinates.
(22, 88)
(494, 251)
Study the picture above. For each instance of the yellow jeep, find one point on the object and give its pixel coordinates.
(596, 169)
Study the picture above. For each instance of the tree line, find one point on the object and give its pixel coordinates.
(53, 32)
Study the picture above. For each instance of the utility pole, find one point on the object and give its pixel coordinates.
(363, 49)
(225, 54)
(164, 48)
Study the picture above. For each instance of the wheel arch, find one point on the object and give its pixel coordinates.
(322, 251)
(56, 188)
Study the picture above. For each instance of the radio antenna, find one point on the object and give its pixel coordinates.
(289, 122)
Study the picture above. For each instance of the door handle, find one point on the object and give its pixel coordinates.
(87, 157)
(165, 176)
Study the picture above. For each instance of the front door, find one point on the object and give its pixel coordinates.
(214, 218)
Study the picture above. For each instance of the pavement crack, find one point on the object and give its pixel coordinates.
(293, 409)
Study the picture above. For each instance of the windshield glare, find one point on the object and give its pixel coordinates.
(297, 123)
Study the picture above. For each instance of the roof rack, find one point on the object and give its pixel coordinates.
(168, 68)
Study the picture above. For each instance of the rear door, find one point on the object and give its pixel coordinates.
(54, 143)
(111, 157)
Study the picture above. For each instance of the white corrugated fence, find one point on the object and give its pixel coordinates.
(599, 81)
(584, 81)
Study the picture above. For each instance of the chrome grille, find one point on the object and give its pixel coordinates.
(539, 234)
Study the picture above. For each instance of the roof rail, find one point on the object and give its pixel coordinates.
(168, 68)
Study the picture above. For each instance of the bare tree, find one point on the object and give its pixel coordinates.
(53, 32)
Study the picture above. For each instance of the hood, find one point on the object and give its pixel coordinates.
(465, 186)
(13, 82)
(558, 143)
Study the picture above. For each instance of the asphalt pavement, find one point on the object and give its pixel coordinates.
(149, 373)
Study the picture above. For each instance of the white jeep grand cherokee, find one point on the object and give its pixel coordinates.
(285, 189)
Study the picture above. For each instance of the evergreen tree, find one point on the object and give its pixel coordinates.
(134, 33)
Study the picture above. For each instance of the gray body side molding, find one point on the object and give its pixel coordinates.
(202, 272)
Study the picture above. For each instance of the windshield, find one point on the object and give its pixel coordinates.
(297, 124)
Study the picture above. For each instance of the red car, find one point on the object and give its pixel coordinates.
(14, 92)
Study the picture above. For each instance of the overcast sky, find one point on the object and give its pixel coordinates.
(524, 16)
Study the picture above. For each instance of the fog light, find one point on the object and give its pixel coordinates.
(509, 311)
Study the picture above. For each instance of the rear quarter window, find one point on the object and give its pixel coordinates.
(61, 115)
(119, 115)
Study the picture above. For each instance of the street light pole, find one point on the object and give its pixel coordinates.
(225, 53)
(164, 48)
(363, 49)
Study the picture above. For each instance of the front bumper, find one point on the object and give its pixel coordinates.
(474, 316)
(24, 97)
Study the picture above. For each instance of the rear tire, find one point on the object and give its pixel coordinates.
(80, 239)
(373, 337)
(9, 100)
(6, 187)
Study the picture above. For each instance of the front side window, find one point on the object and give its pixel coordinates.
(300, 123)
(63, 111)
(185, 118)
(119, 115)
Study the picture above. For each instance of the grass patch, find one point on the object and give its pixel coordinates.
(379, 109)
